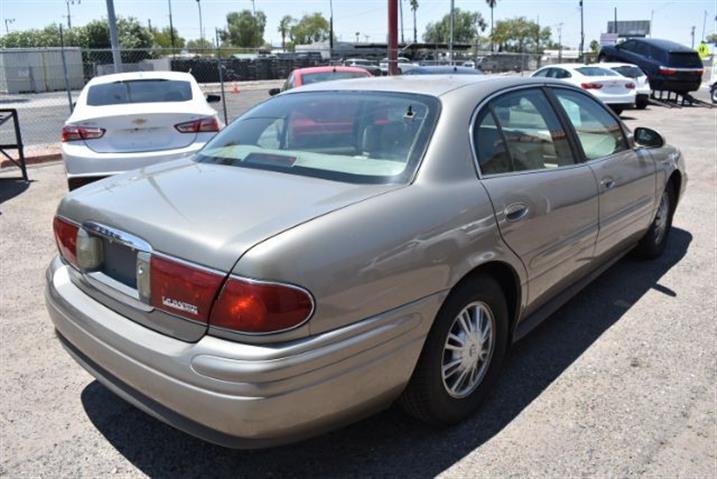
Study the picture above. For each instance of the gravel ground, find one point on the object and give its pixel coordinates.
(619, 382)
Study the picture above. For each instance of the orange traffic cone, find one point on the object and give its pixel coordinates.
(235, 87)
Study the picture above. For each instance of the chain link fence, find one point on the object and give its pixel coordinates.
(43, 84)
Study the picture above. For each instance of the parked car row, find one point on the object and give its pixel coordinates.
(342, 245)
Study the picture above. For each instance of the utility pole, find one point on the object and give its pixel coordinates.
(450, 39)
(149, 24)
(692, 34)
(8, 21)
(331, 29)
(560, 42)
(69, 16)
(652, 19)
(114, 42)
(615, 24)
(358, 34)
(400, 14)
(392, 37)
(171, 26)
(415, 31)
(582, 32)
(201, 27)
(704, 25)
(253, 8)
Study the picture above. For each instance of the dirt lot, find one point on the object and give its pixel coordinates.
(621, 381)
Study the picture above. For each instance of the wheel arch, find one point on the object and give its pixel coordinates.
(509, 281)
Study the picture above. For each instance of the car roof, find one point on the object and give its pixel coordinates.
(668, 45)
(329, 69)
(152, 75)
(437, 86)
(445, 69)
(615, 64)
(573, 66)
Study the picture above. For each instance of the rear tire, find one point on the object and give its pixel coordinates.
(653, 243)
(618, 110)
(642, 102)
(453, 377)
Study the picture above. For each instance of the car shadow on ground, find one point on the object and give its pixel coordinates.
(11, 187)
(390, 443)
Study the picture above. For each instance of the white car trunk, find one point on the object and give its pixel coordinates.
(130, 129)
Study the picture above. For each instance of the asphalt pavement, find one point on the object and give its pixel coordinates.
(620, 382)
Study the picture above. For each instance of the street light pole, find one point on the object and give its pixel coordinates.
(171, 26)
(400, 14)
(69, 16)
(582, 32)
(450, 39)
(114, 42)
(201, 27)
(331, 29)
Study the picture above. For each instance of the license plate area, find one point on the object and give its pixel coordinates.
(119, 262)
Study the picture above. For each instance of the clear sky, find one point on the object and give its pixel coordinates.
(672, 19)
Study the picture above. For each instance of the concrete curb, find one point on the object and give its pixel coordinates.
(33, 160)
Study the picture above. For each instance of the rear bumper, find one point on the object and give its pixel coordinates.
(242, 395)
(660, 83)
(82, 162)
(625, 101)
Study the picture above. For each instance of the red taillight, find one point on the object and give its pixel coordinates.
(202, 125)
(630, 86)
(66, 237)
(667, 70)
(257, 307)
(181, 289)
(75, 133)
(591, 86)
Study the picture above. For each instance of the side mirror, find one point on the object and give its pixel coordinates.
(213, 98)
(648, 138)
(274, 91)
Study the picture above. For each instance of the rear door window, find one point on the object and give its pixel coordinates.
(308, 79)
(599, 132)
(521, 133)
(685, 60)
(139, 91)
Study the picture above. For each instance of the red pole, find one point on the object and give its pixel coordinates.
(393, 37)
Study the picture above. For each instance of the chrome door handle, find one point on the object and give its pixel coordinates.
(515, 211)
(608, 183)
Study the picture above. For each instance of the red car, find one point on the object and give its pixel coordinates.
(306, 76)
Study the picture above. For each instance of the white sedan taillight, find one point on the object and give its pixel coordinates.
(203, 125)
(75, 133)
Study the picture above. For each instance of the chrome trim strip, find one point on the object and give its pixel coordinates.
(116, 290)
(113, 234)
(682, 69)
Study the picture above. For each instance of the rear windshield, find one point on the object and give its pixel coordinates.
(307, 79)
(356, 137)
(596, 72)
(139, 91)
(685, 60)
(629, 71)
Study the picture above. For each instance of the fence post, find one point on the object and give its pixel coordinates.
(64, 69)
(221, 85)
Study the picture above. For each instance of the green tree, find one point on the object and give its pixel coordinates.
(310, 29)
(285, 28)
(244, 29)
(466, 27)
(199, 45)
(491, 4)
(594, 46)
(521, 35)
(414, 7)
(163, 38)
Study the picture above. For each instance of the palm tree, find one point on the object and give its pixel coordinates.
(491, 4)
(284, 26)
(414, 7)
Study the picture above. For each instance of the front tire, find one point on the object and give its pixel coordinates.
(653, 243)
(462, 355)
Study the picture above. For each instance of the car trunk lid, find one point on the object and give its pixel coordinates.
(205, 214)
(130, 129)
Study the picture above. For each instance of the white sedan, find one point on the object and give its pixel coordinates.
(613, 89)
(642, 84)
(130, 120)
